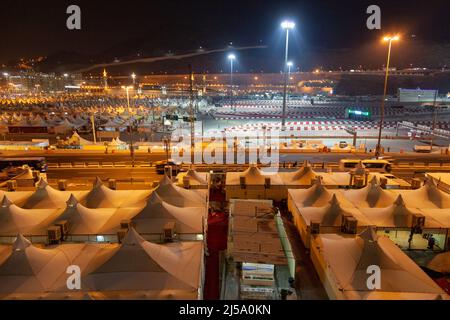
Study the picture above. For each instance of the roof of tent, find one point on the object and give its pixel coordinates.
(440, 263)
(141, 265)
(427, 196)
(158, 212)
(89, 221)
(29, 269)
(101, 196)
(331, 214)
(197, 178)
(253, 176)
(180, 197)
(371, 196)
(14, 220)
(396, 215)
(302, 176)
(46, 197)
(81, 141)
(349, 258)
(316, 196)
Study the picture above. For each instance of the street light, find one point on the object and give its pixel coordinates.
(388, 39)
(289, 65)
(231, 57)
(127, 89)
(133, 76)
(287, 25)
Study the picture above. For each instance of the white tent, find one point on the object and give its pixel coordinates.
(46, 197)
(157, 213)
(31, 270)
(440, 263)
(84, 220)
(397, 215)
(427, 196)
(158, 269)
(315, 196)
(14, 220)
(331, 214)
(304, 176)
(253, 176)
(370, 196)
(180, 197)
(101, 196)
(346, 261)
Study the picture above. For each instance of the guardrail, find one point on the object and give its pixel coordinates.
(239, 167)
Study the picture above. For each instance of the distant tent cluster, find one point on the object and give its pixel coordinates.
(131, 261)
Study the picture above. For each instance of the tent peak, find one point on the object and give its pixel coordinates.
(72, 201)
(399, 201)
(41, 184)
(21, 243)
(98, 182)
(373, 182)
(132, 238)
(369, 234)
(6, 203)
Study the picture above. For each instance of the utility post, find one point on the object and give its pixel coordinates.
(192, 112)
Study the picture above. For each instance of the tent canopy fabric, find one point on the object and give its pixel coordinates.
(316, 196)
(157, 213)
(253, 176)
(331, 214)
(372, 196)
(349, 258)
(427, 196)
(176, 196)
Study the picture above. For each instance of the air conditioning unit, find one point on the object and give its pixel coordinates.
(11, 185)
(65, 227)
(112, 184)
(267, 182)
(54, 234)
(315, 227)
(62, 184)
(169, 231)
(242, 182)
(418, 222)
(121, 233)
(359, 182)
(186, 182)
(349, 224)
(416, 183)
(126, 224)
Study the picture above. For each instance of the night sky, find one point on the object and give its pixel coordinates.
(147, 28)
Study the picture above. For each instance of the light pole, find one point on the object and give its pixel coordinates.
(231, 57)
(389, 39)
(127, 88)
(133, 77)
(289, 65)
(287, 25)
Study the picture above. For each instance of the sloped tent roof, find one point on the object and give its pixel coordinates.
(316, 196)
(14, 220)
(331, 214)
(253, 176)
(427, 196)
(75, 138)
(396, 215)
(196, 178)
(141, 265)
(303, 176)
(89, 221)
(349, 258)
(370, 196)
(440, 263)
(101, 196)
(46, 197)
(158, 212)
(180, 197)
(29, 269)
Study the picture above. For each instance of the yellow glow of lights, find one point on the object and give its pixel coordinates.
(391, 38)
